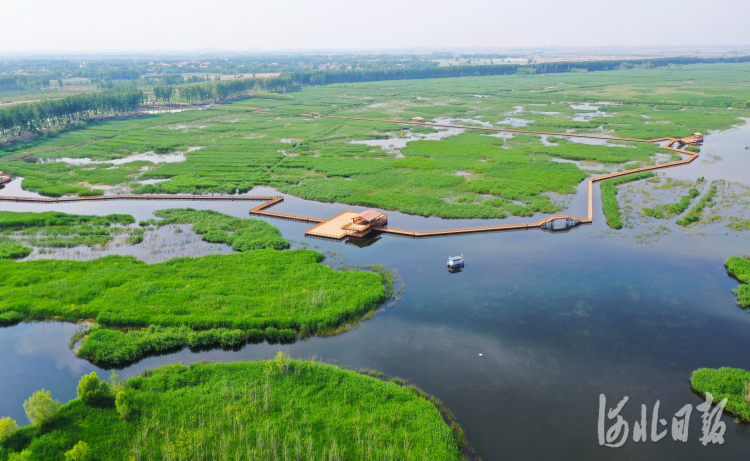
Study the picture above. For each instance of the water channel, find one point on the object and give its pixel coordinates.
(519, 345)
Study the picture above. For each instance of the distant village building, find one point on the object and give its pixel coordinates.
(418, 119)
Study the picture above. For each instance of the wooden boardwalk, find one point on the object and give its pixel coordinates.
(4, 178)
(101, 198)
(260, 210)
(320, 228)
(546, 223)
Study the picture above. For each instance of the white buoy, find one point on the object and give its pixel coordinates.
(481, 355)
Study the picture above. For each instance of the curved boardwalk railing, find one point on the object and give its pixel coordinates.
(97, 198)
(4, 178)
(269, 201)
(572, 220)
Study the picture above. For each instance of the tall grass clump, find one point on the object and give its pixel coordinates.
(694, 215)
(215, 227)
(729, 383)
(13, 251)
(277, 409)
(739, 268)
(56, 229)
(609, 197)
(668, 210)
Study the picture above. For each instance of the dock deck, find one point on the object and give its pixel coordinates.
(332, 228)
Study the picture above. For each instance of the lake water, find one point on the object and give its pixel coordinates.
(558, 318)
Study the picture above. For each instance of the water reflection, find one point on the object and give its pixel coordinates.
(558, 319)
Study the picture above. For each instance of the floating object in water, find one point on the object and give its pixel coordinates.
(481, 355)
(456, 261)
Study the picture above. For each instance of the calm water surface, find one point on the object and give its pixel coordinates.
(558, 318)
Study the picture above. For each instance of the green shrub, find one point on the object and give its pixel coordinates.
(287, 335)
(255, 335)
(124, 403)
(92, 391)
(233, 338)
(25, 455)
(7, 428)
(41, 407)
(272, 334)
(80, 452)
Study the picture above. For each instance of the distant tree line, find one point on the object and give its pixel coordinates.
(114, 73)
(371, 75)
(36, 115)
(218, 90)
(22, 82)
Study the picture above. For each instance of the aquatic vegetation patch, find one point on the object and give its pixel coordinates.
(732, 384)
(215, 227)
(252, 290)
(53, 229)
(606, 154)
(250, 410)
(609, 197)
(738, 224)
(694, 215)
(118, 348)
(669, 210)
(13, 251)
(739, 268)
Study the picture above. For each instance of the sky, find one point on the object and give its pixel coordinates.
(299, 25)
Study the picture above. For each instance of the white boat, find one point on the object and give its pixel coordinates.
(456, 261)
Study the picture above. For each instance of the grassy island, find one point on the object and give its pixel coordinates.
(215, 227)
(138, 308)
(13, 251)
(730, 383)
(739, 268)
(279, 409)
(54, 229)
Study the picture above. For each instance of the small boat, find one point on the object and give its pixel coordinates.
(456, 261)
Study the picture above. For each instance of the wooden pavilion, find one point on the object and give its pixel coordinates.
(363, 223)
(694, 138)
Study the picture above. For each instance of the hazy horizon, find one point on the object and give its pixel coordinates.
(334, 25)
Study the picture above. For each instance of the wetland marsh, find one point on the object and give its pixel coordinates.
(521, 342)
